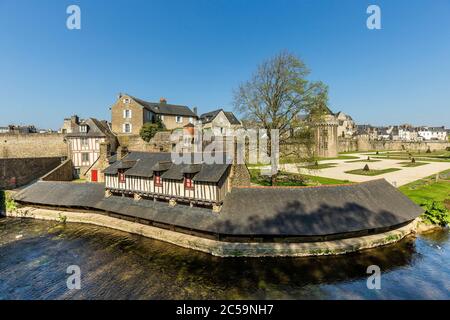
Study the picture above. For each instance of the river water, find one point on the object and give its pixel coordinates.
(34, 256)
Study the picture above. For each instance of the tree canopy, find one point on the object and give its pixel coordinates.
(149, 129)
(278, 93)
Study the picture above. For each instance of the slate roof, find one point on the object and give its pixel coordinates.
(96, 128)
(211, 172)
(209, 116)
(165, 108)
(304, 211)
(143, 164)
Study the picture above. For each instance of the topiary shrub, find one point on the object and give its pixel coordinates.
(435, 213)
(366, 168)
(413, 160)
(428, 150)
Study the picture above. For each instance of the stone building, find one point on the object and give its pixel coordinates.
(346, 125)
(69, 124)
(129, 114)
(219, 121)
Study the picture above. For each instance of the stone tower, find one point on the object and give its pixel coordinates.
(326, 136)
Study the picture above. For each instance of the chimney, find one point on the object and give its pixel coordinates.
(74, 119)
(105, 151)
(162, 100)
(195, 110)
(121, 152)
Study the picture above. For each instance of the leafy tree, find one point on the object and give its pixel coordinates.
(276, 95)
(149, 129)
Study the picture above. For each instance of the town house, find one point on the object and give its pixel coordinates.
(219, 122)
(84, 146)
(129, 114)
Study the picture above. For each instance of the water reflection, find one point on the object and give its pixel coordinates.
(34, 256)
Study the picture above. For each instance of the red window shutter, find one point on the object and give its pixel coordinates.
(157, 179)
(121, 177)
(188, 182)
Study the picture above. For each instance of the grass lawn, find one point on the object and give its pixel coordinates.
(79, 181)
(441, 155)
(428, 189)
(291, 180)
(343, 157)
(371, 172)
(430, 159)
(412, 164)
(319, 166)
(364, 160)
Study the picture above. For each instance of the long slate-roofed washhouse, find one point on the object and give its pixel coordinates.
(282, 212)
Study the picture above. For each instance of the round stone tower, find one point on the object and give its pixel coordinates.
(326, 136)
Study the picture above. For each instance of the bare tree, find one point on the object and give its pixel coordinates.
(275, 97)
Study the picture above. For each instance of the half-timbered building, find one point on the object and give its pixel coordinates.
(84, 144)
(155, 176)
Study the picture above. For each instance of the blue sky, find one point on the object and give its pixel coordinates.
(195, 52)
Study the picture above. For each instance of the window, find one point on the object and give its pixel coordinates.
(126, 100)
(83, 128)
(191, 120)
(161, 117)
(127, 128)
(157, 179)
(121, 176)
(178, 119)
(84, 142)
(188, 182)
(127, 114)
(85, 157)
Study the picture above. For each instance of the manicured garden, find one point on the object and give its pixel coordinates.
(363, 160)
(372, 172)
(318, 166)
(439, 156)
(410, 164)
(292, 180)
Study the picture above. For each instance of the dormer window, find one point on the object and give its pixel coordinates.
(84, 128)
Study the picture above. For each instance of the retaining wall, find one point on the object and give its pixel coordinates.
(221, 248)
(18, 172)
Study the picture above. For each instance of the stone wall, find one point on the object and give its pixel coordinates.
(16, 172)
(364, 144)
(240, 176)
(159, 143)
(221, 248)
(63, 172)
(32, 145)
